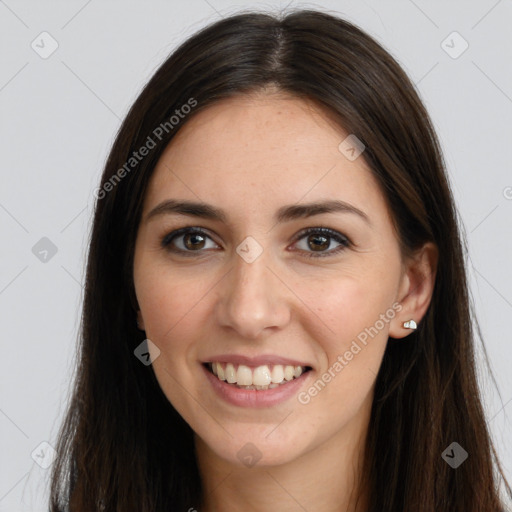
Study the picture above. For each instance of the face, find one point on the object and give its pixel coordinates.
(259, 278)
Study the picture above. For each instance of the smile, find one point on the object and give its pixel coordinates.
(256, 378)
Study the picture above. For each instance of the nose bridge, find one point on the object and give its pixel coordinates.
(252, 299)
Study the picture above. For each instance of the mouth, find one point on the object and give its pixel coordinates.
(259, 378)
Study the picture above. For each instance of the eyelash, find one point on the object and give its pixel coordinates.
(338, 237)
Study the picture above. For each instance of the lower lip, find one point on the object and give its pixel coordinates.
(254, 397)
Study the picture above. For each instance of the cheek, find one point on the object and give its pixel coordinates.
(350, 326)
(173, 314)
(346, 307)
(169, 302)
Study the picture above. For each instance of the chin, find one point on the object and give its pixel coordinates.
(257, 450)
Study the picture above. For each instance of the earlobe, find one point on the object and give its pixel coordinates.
(415, 291)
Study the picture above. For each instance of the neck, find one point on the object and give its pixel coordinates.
(324, 479)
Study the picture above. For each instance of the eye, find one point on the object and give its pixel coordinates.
(316, 241)
(187, 240)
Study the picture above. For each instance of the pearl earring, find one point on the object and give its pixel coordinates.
(410, 324)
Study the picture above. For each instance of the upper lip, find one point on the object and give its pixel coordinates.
(256, 360)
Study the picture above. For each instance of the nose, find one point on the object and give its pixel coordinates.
(252, 299)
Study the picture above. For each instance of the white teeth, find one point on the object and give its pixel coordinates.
(244, 376)
(220, 372)
(261, 377)
(230, 373)
(289, 372)
(277, 374)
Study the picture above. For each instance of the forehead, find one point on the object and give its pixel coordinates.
(262, 150)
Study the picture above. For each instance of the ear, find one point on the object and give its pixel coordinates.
(415, 289)
(140, 321)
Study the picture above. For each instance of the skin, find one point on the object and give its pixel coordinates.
(250, 156)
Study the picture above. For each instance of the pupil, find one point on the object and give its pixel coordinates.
(193, 237)
(319, 239)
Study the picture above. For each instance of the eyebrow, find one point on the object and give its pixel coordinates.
(284, 214)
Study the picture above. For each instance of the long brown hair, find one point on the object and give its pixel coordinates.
(122, 446)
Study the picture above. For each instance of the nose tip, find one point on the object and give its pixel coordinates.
(252, 300)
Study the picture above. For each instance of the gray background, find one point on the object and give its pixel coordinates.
(58, 118)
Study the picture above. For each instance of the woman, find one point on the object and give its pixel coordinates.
(276, 309)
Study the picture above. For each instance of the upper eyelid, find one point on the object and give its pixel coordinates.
(333, 233)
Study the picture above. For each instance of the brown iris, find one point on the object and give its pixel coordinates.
(321, 242)
(193, 241)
